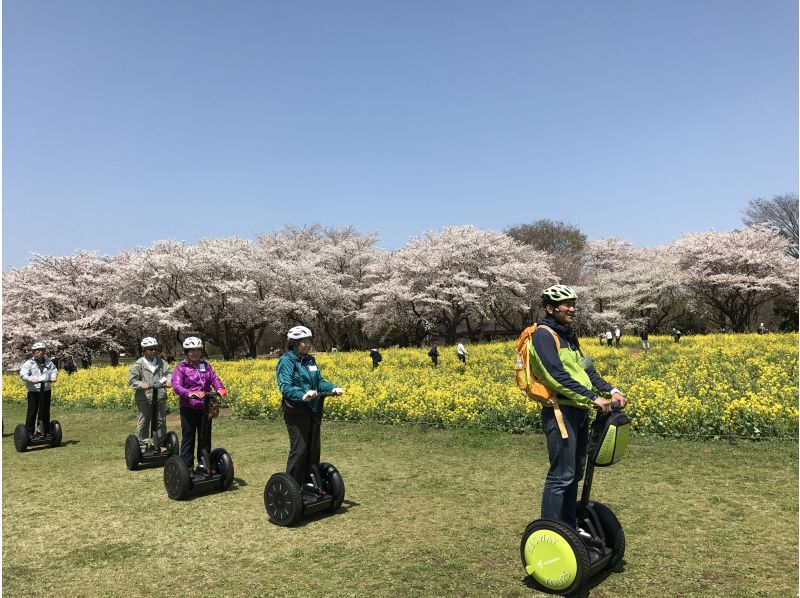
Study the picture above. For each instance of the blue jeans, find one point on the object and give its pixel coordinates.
(567, 459)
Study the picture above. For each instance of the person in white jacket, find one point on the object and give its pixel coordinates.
(37, 370)
(462, 353)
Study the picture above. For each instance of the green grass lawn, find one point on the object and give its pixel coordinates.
(427, 512)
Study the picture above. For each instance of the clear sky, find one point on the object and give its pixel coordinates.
(127, 121)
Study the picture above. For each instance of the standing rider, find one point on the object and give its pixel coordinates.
(572, 377)
(148, 371)
(192, 378)
(34, 371)
(299, 381)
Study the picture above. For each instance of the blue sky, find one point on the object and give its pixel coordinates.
(130, 121)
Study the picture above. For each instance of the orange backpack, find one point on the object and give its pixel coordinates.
(527, 381)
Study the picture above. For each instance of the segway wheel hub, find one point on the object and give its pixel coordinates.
(550, 559)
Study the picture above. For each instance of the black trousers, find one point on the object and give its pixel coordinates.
(38, 402)
(303, 450)
(191, 420)
(462, 358)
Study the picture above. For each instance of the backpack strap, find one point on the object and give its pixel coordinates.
(553, 401)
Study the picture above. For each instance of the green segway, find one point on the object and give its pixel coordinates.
(555, 557)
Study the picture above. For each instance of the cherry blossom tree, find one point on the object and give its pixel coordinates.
(460, 276)
(732, 274)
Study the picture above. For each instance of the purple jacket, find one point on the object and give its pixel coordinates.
(188, 378)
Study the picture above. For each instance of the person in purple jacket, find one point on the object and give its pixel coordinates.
(191, 379)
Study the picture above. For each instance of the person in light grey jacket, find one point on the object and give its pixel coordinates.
(148, 371)
(36, 370)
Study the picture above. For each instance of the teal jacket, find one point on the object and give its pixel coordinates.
(297, 376)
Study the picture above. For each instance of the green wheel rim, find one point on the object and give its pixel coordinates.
(550, 560)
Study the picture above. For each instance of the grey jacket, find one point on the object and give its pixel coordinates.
(30, 369)
(141, 374)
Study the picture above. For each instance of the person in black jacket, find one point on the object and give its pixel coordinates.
(376, 357)
(434, 355)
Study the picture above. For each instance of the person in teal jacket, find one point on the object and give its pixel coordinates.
(300, 381)
(563, 369)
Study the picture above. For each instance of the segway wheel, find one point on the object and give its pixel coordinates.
(222, 463)
(133, 454)
(615, 535)
(283, 499)
(54, 430)
(334, 484)
(21, 438)
(172, 444)
(177, 478)
(554, 557)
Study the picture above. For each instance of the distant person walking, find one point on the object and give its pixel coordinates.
(434, 355)
(376, 357)
(462, 353)
(602, 338)
(676, 335)
(617, 334)
(761, 329)
(609, 337)
(643, 334)
(69, 364)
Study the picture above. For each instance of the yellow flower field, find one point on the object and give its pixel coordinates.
(705, 385)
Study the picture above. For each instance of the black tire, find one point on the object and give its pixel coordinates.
(133, 453)
(615, 535)
(334, 484)
(283, 499)
(54, 430)
(172, 444)
(556, 532)
(177, 478)
(21, 438)
(222, 464)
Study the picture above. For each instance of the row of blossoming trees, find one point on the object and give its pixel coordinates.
(241, 295)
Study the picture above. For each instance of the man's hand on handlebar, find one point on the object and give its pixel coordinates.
(604, 405)
(197, 394)
(337, 391)
(223, 392)
(619, 398)
(144, 386)
(310, 395)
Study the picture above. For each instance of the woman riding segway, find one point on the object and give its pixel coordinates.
(307, 485)
(191, 380)
(39, 373)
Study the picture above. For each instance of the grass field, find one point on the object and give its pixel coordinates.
(427, 512)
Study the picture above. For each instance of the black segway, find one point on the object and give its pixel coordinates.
(162, 449)
(286, 501)
(216, 467)
(52, 437)
(558, 559)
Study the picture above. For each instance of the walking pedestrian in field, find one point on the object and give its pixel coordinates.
(34, 371)
(433, 353)
(676, 335)
(602, 336)
(761, 329)
(644, 335)
(609, 337)
(191, 379)
(376, 357)
(617, 334)
(300, 381)
(577, 386)
(462, 353)
(148, 371)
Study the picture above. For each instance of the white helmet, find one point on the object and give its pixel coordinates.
(298, 332)
(192, 343)
(37, 346)
(149, 341)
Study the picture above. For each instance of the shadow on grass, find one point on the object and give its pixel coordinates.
(346, 506)
(590, 584)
